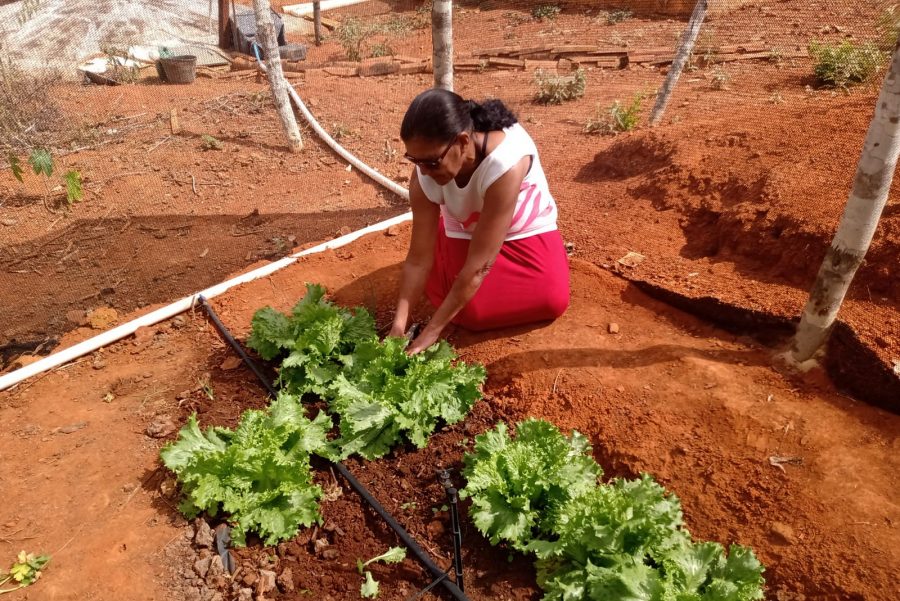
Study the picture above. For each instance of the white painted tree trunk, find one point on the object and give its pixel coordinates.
(268, 41)
(861, 215)
(681, 58)
(442, 42)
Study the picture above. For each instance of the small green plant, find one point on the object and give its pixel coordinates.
(556, 89)
(719, 79)
(352, 35)
(616, 118)
(210, 143)
(381, 49)
(207, 388)
(845, 64)
(25, 571)
(516, 18)
(41, 163)
(776, 98)
(339, 131)
(888, 27)
(118, 68)
(369, 588)
(545, 12)
(618, 16)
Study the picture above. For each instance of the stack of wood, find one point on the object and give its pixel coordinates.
(564, 58)
(371, 67)
(546, 56)
(713, 55)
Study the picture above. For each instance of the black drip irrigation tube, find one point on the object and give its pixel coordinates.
(439, 575)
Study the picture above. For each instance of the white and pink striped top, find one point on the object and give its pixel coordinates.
(535, 211)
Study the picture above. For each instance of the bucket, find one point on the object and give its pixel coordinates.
(179, 69)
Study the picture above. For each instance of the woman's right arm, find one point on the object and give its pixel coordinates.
(419, 259)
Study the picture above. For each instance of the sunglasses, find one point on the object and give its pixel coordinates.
(430, 163)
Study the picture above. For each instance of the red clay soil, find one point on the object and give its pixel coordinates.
(732, 202)
(700, 409)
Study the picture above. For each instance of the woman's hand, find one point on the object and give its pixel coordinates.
(423, 341)
(397, 330)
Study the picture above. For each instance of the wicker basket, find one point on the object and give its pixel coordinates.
(179, 69)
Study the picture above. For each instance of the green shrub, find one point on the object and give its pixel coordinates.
(352, 34)
(617, 16)
(556, 89)
(616, 118)
(545, 12)
(846, 63)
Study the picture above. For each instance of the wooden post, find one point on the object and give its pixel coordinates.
(223, 23)
(268, 41)
(867, 200)
(442, 43)
(684, 51)
(317, 22)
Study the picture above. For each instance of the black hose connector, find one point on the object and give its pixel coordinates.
(453, 499)
(412, 545)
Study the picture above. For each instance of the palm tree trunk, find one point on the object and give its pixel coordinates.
(442, 42)
(268, 41)
(861, 215)
(681, 58)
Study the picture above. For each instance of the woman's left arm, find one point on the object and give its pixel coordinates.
(487, 238)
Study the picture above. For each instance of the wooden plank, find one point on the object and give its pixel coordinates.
(409, 59)
(376, 69)
(412, 68)
(329, 24)
(342, 71)
(573, 49)
(545, 65)
(475, 63)
(514, 63)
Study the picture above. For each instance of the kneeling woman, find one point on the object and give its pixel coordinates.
(485, 248)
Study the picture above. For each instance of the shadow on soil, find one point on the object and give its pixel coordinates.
(130, 263)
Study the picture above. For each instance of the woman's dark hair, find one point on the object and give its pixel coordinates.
(439, 115)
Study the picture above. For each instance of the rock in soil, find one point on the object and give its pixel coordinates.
(286, 581)
(201, 567)
(160, 427)
(230, 363)
(266, 582)
(245, 594)
(330, 554)
(613, 328)
(250, 578)
(216, 569)
(782, 534)
(203, 535)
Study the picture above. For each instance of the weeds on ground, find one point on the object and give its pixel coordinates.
(381, 49)
(888, 27)
(25, 571)
(41, 163)
(545, 12)
(845, 64)
(29, 118)
(719, 79)
(617, 16)
(208, 142)
(339, 131)
(616, 118)
(556, 89)
(352, 34)
(117, 71)
(516, 18)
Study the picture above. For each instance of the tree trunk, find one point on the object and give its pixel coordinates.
(442, 41)
(861, 215)
(681, 58)
(223, 23)
(268, 41)
(317, 22)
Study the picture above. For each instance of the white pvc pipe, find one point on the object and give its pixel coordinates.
(350, 158)
(298, 10)
(179, 306)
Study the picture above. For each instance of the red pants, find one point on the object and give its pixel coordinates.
(529, 281)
